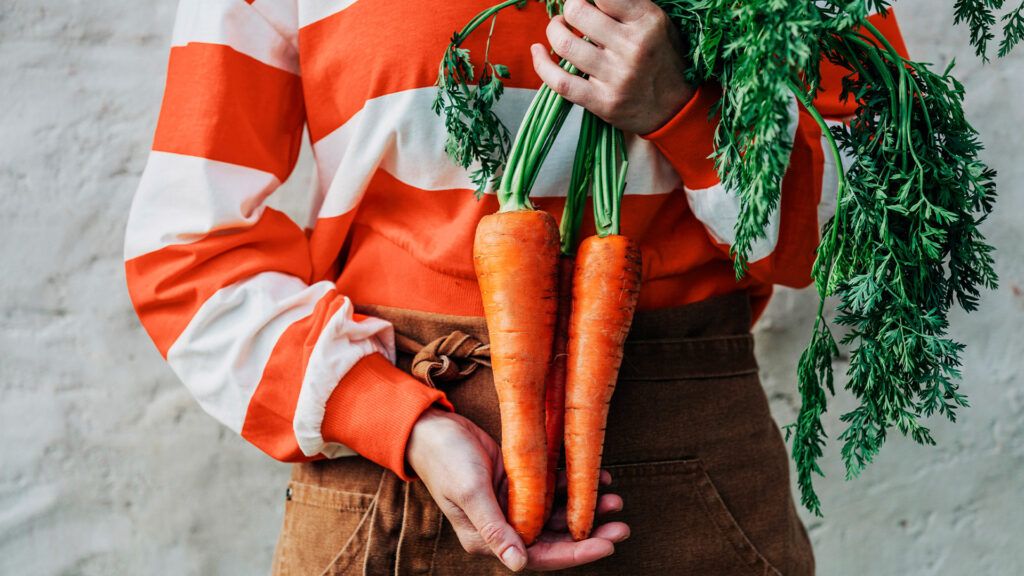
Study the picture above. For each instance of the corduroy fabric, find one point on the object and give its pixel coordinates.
(691, 447)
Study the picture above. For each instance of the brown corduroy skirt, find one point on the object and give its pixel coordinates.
(691, 446)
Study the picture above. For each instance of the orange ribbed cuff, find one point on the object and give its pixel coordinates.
(688, 138)
(373, 409)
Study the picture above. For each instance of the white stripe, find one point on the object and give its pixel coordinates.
(236, 24)
(183, 198)
(341, 344)
(718, 209)
(398, 133)
(283, 15)
(830, 178)
(311, 11)
(222, 352)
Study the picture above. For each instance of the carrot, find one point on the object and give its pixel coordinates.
(516, 259)
(606, 287)
(572, 219)
(515, 254)
(555, 401)
(605, 292)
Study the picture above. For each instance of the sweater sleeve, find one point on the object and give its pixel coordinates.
(223, 284)
(786, 255)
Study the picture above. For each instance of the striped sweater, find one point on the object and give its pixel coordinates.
(254, 312)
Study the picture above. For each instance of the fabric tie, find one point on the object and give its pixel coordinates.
(447, 359)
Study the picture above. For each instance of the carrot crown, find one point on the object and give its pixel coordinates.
(609, 175)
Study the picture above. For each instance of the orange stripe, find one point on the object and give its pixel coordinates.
(169, 285)
(268, 421)
(373, 409)
(827, 102)
(791, 261)
(338, 81)
(412, 248)
(326, 245)
(223, 105)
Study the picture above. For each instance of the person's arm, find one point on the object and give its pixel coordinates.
(677, 120)
(224, 285)
(786, 255)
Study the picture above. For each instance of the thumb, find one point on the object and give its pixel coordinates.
(483, 511)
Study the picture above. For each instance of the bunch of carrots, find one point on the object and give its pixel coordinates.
(557, 314)
(903, 250)
(557, 325)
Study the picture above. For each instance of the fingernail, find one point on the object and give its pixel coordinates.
(513, 558)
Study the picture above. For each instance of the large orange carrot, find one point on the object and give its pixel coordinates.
(605, 291)
(555, 402)
(516, 258)
(572, 218)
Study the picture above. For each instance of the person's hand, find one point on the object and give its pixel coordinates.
(461, 466)
(633, 61)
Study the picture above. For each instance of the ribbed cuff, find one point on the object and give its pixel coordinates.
(688, 138)
(373, 409)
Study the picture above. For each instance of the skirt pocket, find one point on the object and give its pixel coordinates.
(324, 531)
(680, 525)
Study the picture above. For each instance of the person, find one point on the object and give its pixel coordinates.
(355, 348)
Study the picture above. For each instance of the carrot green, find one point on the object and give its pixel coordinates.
(904, 248)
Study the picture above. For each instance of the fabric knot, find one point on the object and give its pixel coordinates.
(447, 359)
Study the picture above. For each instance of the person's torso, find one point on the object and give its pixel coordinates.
(399, 215)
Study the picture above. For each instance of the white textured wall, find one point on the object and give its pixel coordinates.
(108, 467)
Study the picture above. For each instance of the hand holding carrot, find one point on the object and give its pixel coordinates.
(462, 468)
(633, 62)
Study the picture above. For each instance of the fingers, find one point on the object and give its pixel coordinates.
(464, 530)
(481, 508)
(571, 87)
(606, 504)
(562, 553)
(614, 532)
(625, 11)
(584, 55)
(592, 22)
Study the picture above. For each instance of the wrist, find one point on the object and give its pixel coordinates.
(671, 102)
(424, 431)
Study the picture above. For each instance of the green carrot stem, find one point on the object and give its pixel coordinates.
(543, 152)
(610, 167)
(480, 19)
(575, 199)
(532, 143)
(823, 286)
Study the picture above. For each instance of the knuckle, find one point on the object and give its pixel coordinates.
(572, 10)
(463, 492)
(564, 87)
(658, 17)
(492, 532)
(472, 545)
(564, 45)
